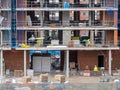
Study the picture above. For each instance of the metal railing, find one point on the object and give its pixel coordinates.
(70, 23)
(45, 43)
(5, 4)
(35, 4)
(50, 24)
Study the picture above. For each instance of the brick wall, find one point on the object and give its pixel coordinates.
(15, 60)
(116, 59)
(109, 36)
(91, 58)
(110, 3)
(115, 18)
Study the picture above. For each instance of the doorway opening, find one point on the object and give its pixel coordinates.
(100, 61)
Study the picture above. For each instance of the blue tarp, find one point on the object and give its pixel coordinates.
(55, 52)
(32, 51)
(66, 5)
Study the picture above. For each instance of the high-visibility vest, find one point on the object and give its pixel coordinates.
(95, 68)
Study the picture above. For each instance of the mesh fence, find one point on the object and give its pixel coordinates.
(69, 86)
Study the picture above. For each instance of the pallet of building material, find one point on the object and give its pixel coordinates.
(44, 78)
(116, 74)
(53, 25)
(86, 73)
(18, 73)
(30, 72)
(59, 78)
(26, 79)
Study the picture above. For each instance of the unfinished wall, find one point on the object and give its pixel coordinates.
(109, 3)
(91, 58)
(5, 3)
(21, 3)
(116, 59)
(20, 18)
(88, 58)
(108, 17)
(15, 60)
(84, 15)
(20, 23)
(115, 18)
(110, 36)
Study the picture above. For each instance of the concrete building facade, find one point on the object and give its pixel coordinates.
(83, 31)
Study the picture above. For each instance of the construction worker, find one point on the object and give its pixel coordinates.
(95, 70)
(88, 42)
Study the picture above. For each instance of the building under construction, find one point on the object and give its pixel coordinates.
(49, 34)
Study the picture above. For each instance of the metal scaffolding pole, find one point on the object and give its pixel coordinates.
(67, 63)
(1, 62)
(25, 63)
(1, 58)
(110, 59)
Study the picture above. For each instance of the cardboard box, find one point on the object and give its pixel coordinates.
(18, 73)
(44, 78)
(73, 71)
(26, 79)
(60, 78)
(72, 64)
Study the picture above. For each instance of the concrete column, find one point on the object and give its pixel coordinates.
(103, 18)
(41, 17)
(110, 60)
(25, 68)
(89, 18)
(67, 63)
(115, 3)
(25, 37)
(105, 3)
(91, 31)
(41, 3)
(41, 33)
(1, 57)
(65, 23)
(89, 3)
(92, 37)
(103, 37)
